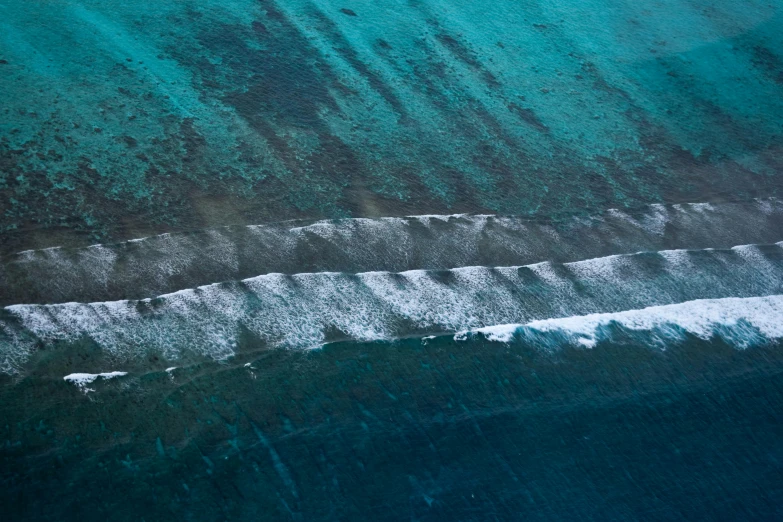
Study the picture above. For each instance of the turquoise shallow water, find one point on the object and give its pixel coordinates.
(124, 118)
(316, 260)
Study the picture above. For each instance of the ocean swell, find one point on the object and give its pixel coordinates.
(742, 321)
(156, 265)
(307, 310)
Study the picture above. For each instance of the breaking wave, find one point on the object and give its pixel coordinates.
(162, 264)
(307, 310)
(741, 321)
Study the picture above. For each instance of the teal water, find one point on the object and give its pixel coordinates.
(120, 119)
(391, 431)
(398, 260)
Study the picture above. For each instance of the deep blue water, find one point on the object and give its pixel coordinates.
(393, 260)
(389, 431)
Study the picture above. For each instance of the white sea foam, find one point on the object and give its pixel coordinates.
(702, 318)
(501, 333)
(160, 264)
(656, 217)
(81, 380)
(305, 310)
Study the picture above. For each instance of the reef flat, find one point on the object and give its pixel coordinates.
(121, 119)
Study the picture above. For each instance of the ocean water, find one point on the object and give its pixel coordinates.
(398, 260)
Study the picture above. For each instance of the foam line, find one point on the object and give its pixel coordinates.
(306, 310)
(81, 380)
(162, 264)
(742, 320)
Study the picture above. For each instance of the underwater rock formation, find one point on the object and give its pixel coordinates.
(122, 119)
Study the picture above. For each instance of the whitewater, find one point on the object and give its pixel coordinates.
(310, 309)
(151, 266)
